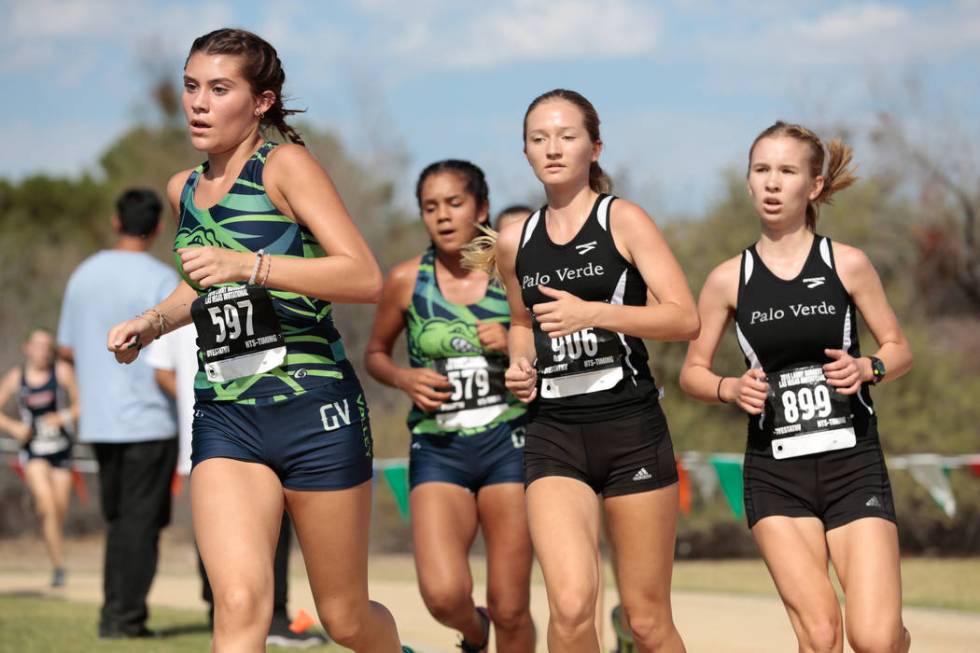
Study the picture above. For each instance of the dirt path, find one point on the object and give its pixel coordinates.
(709, 622)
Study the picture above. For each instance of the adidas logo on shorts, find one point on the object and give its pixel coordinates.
(642, 475)
(873, 502)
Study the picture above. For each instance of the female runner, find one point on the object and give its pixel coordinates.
(466, 464)
(577, 274)
(47, 398)
(265, 245)
(815, 478)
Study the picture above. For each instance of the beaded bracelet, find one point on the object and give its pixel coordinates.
(255, 268)
(268, 271)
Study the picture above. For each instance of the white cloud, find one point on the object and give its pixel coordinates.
(436, 34)
(853, 34)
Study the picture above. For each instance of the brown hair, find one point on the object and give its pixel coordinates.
(599, 181)
(839, 174)
(260, 66)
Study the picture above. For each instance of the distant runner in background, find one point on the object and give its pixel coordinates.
(47, 399)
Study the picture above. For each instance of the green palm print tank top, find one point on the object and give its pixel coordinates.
(246, 220)
(443, 336)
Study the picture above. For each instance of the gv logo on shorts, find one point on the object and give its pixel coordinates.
(335, 415)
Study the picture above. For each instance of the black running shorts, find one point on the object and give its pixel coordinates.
(615, 457)
(837, 487)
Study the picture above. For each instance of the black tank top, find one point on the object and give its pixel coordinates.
(783, 326)
(35, 402)
(595, 374)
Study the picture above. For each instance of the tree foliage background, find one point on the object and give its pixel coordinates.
(915, 220)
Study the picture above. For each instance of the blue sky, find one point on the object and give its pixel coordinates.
(682, 87)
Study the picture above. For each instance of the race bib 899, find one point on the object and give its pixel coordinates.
(809, 416)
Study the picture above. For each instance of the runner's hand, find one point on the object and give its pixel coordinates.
(21, 432)
(493, 335)
(522, 380)
(421, 385)
(208, 266)
(564, 315)
(750, 391)
(843, 372)
(127, 338)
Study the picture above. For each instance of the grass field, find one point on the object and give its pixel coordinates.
(43, 625)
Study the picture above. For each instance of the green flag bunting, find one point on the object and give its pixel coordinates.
(729, 472)
(397, 477)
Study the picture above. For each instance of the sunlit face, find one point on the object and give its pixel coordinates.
(557, 144)
(39, 349)
(221, 109)
(779, 179)
(449, 211)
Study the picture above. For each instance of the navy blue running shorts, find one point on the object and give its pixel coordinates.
(317, 440)
(471, 461)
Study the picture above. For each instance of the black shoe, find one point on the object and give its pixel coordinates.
(281, 635)
(467, 647)
(140, 632)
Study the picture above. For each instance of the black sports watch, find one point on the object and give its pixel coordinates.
(877, 370)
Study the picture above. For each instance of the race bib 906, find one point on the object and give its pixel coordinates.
(586, 361)
(238, 332)
(808, 415)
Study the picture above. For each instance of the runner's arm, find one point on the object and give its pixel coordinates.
(389, 323)
(674, 316)
(8, 388)
(65, 374)
(864, 285)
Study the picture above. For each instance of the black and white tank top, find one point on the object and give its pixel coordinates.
(593, 374)
(783, 327)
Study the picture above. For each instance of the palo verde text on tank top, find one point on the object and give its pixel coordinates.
(592, 374)
(783, 327)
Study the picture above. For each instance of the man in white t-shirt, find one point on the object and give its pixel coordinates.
(174, 359)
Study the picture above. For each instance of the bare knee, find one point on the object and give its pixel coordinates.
(45, 509)
(509, 611)
(240, 604)
(572, 613)
(447, 602)
(868, 638)
(651, 623)
(821, 633)
(344, 621)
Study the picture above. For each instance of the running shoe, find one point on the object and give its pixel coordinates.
(466, 647)
(281, 635)
(624, 638)
(58, 577)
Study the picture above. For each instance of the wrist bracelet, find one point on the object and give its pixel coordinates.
(718, 390)
(255, 268)
(268, 270)
(161, 321)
